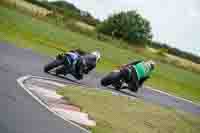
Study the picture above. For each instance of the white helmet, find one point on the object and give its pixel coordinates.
(97, 54)
(151, 63)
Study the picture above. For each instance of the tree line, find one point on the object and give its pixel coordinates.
(176, 51)
(68, 11)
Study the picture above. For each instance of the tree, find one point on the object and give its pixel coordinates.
(129, 26)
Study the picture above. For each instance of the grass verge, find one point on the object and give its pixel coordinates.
(119, 114)
(26, 31)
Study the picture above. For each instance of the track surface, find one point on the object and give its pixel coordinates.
(21, 114)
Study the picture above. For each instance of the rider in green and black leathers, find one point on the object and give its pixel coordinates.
(136, 73)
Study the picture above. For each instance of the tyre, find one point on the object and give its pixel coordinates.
(52, 65)
(111, 78)
(60, 70)
(117, 85)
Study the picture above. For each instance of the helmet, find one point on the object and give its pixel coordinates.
(151, 63)
(97, 55)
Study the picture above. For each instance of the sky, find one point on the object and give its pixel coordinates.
(175, 22)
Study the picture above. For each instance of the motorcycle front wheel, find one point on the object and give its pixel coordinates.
(52, 65)
(111, 78)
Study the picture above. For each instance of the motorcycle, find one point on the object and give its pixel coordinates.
(64, 64)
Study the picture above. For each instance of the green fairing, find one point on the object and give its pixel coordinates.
(142, 69)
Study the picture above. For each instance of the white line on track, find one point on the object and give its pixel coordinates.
(170, 95)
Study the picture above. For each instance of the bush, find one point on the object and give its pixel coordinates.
(129, 26)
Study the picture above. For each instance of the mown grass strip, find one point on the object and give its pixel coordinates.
(119, 114)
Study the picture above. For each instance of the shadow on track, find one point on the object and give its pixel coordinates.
(64, 78)
(122, 91)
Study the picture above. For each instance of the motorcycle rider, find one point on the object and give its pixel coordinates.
(77, 63)
(134, 74)
(85, 63)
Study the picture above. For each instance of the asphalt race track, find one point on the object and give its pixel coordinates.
(20, 113)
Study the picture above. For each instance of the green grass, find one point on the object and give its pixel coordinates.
(119, 114)
(26, 31)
